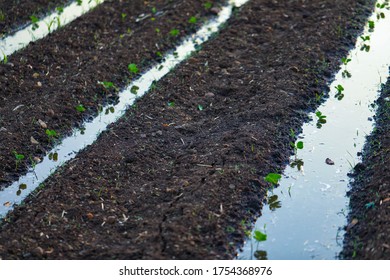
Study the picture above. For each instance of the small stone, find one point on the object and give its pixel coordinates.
(369, 119)
(39, 84)
(143, 135)
(111, 219)
(38, 252)
(33, 141)
(329, 161)
(35, 75)
(215, 10)
(232, 187)
(90, 216)
(209, 94)
(159, 132)
(50, 112)
(42, 124)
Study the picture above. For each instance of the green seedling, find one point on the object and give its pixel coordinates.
(108, 85)
(154, 10)
(79, 2)
(133, 68)
(18, 159)
(123, 16)
(110, 110)
(345, 61)
(321, 119)
(80, 108)
(381, 6)
(365, 38)
(371, 26)
(21, 188)
(51, 134)
(298, 163)
(60, 10)
(193, 20)
(200, 107)
(273, 178)
(208, 5)
(274, 203)
(339, 95)
(171, 104)
(296, 146)
(365, 47)
(4, 60)
(2, 16)
(346, 74)
(34, 21)
(134, 89)
(259, 236)
(174, 32)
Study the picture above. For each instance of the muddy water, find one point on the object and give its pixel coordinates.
(42, 28)
(305, 215)
(69, 147)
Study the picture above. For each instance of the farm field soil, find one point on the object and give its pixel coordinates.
(63, 71)
(368, 236)
(17, 13)
(180, 176)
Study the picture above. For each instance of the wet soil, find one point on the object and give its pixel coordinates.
(368, 232)
(14, 14)
(180, 176)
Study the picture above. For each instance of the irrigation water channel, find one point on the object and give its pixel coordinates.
(307, 211)
(313, 202)
(43, 27)
(70, 146)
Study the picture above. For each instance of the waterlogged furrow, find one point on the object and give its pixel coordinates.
(70, 146)
(40, 28)
(306, 214)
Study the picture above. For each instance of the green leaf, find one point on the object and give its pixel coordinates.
(134, 89)
(80, 108)
(174, 32)
(300, 145)
(200, 107)
(133, 68)
(273, 178)
(259, 236)
(193, 20)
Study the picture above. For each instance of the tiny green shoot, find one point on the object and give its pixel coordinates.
(174, 32)
(339, 95)
(18, 159)
(134, 89)
(259, 236)
(80, 108)
(193, 20)
(133, 68)
(208, 5)
(273, 178)
(34, 21)
(79, 2)
(321, 119)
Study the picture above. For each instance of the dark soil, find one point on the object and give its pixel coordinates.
(368, 233)
(14, 14)
(62, 71)
(176, 182)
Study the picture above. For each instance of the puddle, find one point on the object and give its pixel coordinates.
(42, 28)
(306, 218)
(70, 146)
